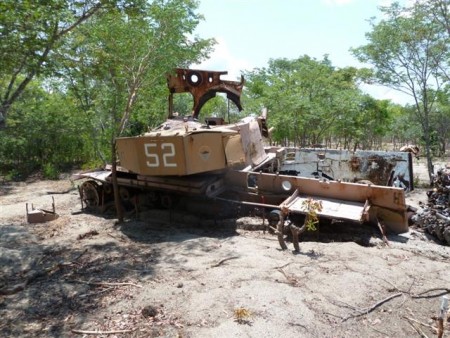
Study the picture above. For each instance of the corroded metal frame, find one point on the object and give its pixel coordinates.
(203, 85)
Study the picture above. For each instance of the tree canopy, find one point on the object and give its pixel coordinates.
(76, 74)
(30, 33)
(112, 64)
(310, 102)
(410, 51)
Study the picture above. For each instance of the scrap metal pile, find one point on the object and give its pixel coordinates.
(435, 216)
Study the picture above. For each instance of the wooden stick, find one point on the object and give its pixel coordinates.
(280, 227)
(420, 295)
(96, 293)
(274, 229)
(296, 231)
(223, 261)
(440, 328)
(102, 283)
(418, 330)
(102, 332)
(383, 233)
(423, 324)
(373, 307)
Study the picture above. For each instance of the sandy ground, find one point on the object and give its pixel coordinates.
(167, 275)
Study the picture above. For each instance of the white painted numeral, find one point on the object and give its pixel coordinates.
(168, 155)
(154, 159)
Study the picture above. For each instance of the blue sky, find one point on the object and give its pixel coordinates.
(250, 32)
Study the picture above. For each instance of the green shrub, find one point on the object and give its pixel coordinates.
(50, 171)
(13, 175)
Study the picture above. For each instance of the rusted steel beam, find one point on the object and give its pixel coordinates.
(203, 85)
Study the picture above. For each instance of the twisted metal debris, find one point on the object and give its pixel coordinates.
(435, 216)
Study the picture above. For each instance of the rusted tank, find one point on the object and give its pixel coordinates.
(184, 146)
(232, 163)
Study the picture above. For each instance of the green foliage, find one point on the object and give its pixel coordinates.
(104, 79)
(76, 74)
(44, 133)
(116, 66)
(409, 51)
(405, 129)
(312, 208)
(50, 171)
(32, 32)
(13, 175)
(310, 101)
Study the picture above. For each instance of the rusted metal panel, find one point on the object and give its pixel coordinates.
(251, 142)
(234, 152)
(378, 167)
(203, 85)
(41, 215)
(386, 203)
(172, 155)
(176, 150)
(331, 208)
(99, 175)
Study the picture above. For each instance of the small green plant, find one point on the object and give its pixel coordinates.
(13, 175)
(50, 171)
(312, 207)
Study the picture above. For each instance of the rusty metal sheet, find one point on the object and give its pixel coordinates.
(99, 175)
(386, 203)
(184, 154)
(41, 215)
(203, 85)
(331, 208)
(379, 167)
(234, 152)
(252, 141)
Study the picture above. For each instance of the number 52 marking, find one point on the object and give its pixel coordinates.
(167, 155)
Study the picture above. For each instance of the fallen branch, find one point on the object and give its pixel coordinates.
(420, 323)
(102, 332)
(283, 266)
(381, 227)
(87, 234)
(373, 307)
(223, 261)
(418, 330)
(96, 293)
(292, 281)
(274, 229)
(102, 283)
(420, 295)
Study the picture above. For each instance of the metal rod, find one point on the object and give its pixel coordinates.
(255, 204)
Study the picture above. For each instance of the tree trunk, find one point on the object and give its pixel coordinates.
(3, 112)
(117, 202)
(280, 231)
(428, 154)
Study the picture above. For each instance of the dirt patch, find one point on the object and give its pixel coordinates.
(162, 275)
